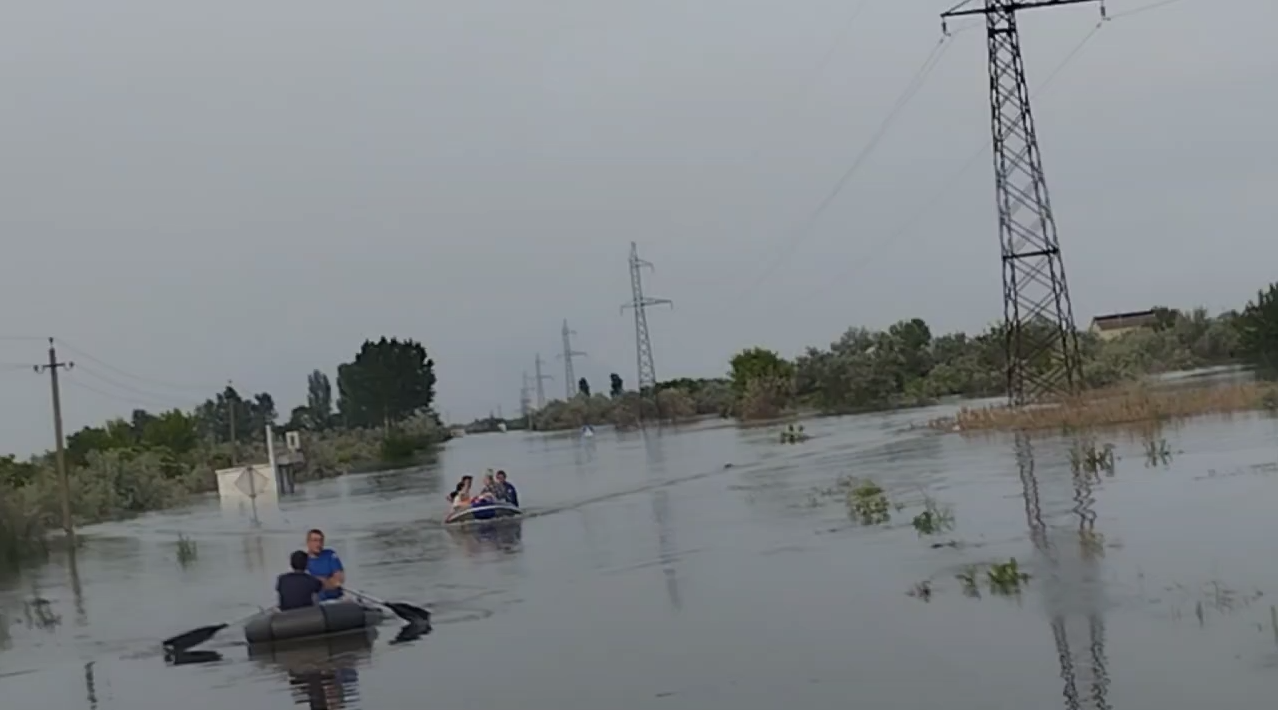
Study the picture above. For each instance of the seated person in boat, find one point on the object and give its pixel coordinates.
(510, 495)
(460, 497)
(297, 589)
(324, 564)
(492, 492)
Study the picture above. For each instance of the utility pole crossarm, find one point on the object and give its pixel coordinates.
(1010, 6)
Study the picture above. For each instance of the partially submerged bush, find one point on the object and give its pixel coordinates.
(1120, 405)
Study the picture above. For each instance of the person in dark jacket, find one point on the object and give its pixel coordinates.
(298, 589)
(512, 495)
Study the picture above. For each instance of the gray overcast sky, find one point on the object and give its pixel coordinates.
(199, 191)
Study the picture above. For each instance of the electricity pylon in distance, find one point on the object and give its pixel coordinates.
(643, 342)
(570, 379)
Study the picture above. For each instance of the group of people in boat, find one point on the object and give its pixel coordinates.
(316, 575)
(496, 490)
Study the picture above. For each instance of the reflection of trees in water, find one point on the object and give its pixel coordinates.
(1069, 578)
(666, 549)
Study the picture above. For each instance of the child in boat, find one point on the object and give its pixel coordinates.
(297, 589)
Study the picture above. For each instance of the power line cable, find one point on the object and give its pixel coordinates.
(918, 215)
(828, 55)
(135, 401)
(159, 396)
(912, 88)
(81, 353)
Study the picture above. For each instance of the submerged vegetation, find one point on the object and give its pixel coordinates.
(1119, 405)
(906, 365)
(793, 434)
(151, 461)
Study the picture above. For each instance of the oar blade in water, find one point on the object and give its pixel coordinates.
(408, 612)
(194, 637)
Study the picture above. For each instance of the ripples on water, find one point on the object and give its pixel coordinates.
(698, 568)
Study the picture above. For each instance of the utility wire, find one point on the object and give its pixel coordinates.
(158, 396)
(839, 38)
(919, 214)
(80, 353)
(1144, 8)
(70, 380)
(912, 88)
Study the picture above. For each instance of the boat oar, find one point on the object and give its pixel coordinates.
(408, 612)
(195, 637)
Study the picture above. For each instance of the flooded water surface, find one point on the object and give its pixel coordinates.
(710, 567)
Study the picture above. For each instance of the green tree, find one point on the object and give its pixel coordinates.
(318, 412)
(758, 364)
(251, 415)
(1257, 327)
(388, 381)
(583, 387)
(173, 430)
(616, 386)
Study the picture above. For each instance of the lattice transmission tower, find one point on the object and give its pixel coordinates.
(643, 342)
(540, 380)
(525, 398)
(570, 379)
(1040, 337)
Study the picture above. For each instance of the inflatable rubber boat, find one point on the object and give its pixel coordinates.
(485, 512)
(317, 621)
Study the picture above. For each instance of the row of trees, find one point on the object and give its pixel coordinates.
(906, 365)
(383, 413)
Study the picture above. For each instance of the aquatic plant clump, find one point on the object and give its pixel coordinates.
(1122, 405)
(869, 504)
(186, 550)
(794, 434)
(934, 519)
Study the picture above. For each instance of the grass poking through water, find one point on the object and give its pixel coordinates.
(794, 435)
(1005, 578)
(187, 552)
(935, 518)
(1118, 405)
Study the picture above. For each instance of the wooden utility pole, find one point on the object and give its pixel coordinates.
(52, 368)
(230, 415)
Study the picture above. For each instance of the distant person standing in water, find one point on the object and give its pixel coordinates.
(511, 495)
(325, 565)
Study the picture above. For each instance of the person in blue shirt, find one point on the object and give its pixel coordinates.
(325, 565)
(512, 495)
(297, 589)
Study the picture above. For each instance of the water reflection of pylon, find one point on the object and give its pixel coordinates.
(661, 514)
(1090, 550)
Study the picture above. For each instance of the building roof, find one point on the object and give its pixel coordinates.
(1130, 319)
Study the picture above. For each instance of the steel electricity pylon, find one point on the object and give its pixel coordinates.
(570, 379)
(643, 342)
(1041, 340)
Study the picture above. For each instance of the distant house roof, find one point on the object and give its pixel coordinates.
(1131, 319)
